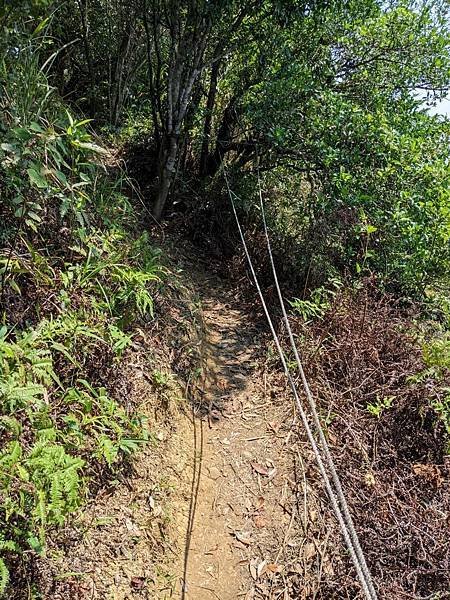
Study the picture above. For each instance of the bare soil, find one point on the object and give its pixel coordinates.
(238, 524)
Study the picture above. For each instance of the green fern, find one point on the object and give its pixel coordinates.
(4, 577)
(9, 457)
(8, 545)
(11, 424)
(52, 422)
(56, 477)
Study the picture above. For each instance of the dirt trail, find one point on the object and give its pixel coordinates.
(237, 525)
(220, 507)
(230, 394)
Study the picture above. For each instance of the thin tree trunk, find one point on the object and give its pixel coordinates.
(179, 94)
(121, 73)
(167, 171)
(154, 99)
(212, 92)
(83, 8)
(188, 42)
(223, 141)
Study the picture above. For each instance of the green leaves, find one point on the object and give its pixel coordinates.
(36, 178)
(68, 284)
(41, 485)
(90, 146)
(54, 160)
(340, 128)
(42, 480)
(4, 577)
(320, 301)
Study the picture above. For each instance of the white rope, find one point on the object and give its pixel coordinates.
(312, 404)
(335, 505)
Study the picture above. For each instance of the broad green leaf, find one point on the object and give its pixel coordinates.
(37, 179)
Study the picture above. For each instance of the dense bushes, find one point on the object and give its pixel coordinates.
(354, 169)
(381, 206)
(75, 277)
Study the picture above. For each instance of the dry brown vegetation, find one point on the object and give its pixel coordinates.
(393, 466)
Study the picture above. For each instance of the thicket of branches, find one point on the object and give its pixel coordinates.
(329, 95)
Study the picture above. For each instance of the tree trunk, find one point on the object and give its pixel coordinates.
(212, 92)
(153, 79)
(83, 8)
(121, 74)
(167, 169)
(224, 144)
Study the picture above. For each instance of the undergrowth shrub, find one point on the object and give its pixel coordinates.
(75, 276)
(116, 273)
(46, 166)
(319, 303)
(436, 356)
(51, 434)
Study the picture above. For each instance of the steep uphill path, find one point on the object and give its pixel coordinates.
(226, 504)
(251, 519)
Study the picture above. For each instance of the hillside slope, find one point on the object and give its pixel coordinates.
(229, 502)
(148, 445)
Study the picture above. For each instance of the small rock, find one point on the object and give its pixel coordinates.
(214, 473)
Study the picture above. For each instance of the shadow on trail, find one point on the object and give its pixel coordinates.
(227, 354)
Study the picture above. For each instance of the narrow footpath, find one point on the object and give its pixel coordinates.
(225, 504)
(250, 506)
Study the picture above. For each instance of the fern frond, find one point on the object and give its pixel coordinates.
(4, 577)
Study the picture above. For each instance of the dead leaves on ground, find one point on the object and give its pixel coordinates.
(258, 568)
(260, 572)
(431, 473)
(259, 521)
(243, 537)
(264, 471)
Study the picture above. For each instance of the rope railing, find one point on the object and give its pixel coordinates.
(336, 496)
